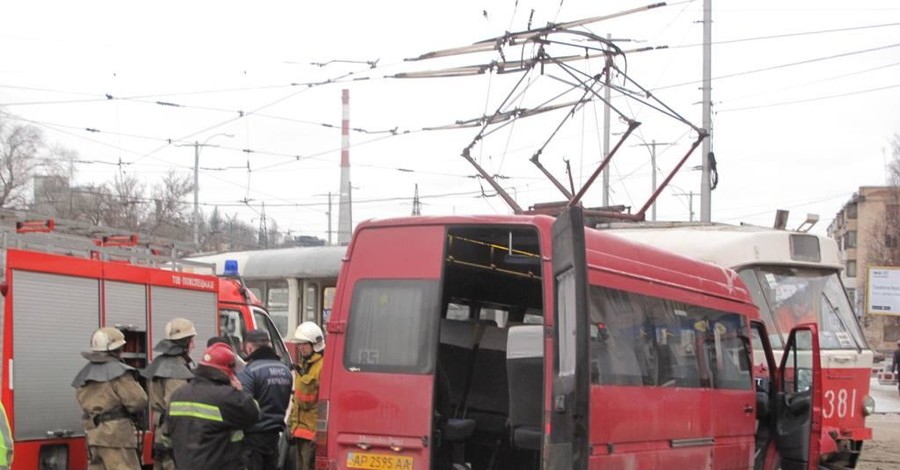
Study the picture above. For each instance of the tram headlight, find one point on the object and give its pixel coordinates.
(868, 405)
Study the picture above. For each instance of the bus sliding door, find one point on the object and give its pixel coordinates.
(569, 399)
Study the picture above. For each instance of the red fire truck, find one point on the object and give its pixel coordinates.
(532, 343)
(57, 291)
(240, 311)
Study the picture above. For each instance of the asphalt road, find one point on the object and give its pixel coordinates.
(883, 452)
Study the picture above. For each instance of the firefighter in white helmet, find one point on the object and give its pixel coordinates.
(302, 419)
(169, 371)
(110, 396)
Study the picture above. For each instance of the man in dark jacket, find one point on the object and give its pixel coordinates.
(895, 367)
(269, 381)
(207, 416)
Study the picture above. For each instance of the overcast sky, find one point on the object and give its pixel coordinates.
(807, 99)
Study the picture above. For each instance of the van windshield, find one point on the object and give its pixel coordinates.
(793, 295)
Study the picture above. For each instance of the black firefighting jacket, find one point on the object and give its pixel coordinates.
(206, 422)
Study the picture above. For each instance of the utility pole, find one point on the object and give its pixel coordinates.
(329, 218)
(606, 125)
(705, 187)
(652, 147)
(417, 204)
(197, 146)
(690, 196)
(197, 194)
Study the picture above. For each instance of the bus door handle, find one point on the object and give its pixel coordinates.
(748, 408)
(842, 358)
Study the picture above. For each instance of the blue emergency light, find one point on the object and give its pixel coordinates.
(231, 267)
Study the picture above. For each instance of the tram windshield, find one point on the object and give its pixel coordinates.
(787, 296)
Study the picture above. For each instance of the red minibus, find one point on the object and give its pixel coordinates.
(527, 342)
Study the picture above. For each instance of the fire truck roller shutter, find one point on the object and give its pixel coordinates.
(126, 304)
(47, 356)
(199, 307)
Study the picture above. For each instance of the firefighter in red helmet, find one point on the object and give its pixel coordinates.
(207, 417)
(110, 397)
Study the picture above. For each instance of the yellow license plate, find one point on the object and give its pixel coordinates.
(379, 461)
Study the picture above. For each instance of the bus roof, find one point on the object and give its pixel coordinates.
(734, 246)
(609, 253)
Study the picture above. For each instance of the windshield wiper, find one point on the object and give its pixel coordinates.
(838, 315)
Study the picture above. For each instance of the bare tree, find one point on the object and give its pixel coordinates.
(127, 205)
(19, 148)
(170, 218)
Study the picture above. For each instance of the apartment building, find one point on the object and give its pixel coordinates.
(866, 231)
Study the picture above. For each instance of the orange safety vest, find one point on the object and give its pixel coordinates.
(305, 400)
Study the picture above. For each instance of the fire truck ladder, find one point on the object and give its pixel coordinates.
(92, 242)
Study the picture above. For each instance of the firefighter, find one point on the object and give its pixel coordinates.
(6, 441)
(206, 417)
(169, 371)
(111, 397)
(269, 381)
(302, 419)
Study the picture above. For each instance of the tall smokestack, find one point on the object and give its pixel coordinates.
(345, 214)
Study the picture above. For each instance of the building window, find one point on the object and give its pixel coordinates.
(892, 212)
(890, 240)
(851, 268)
(891, 333)
(851, 294)
(851, 211)
(850, 239)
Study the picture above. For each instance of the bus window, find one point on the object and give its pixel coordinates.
(500, 317)
(639, 340)
(392, 326)
(312, 303)
(457, 311)
(727, 352)
(327, 303)
(277, 304)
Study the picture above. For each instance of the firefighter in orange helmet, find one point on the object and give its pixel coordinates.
(305, 400)
(110, 396)
(169, 371)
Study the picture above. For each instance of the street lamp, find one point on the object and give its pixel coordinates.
(197, 146)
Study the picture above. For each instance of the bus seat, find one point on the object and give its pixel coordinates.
(525, 366)
(457, 338)
(488, 399)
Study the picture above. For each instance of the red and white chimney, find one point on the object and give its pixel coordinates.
(345, 211)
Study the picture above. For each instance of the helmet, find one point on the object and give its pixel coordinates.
(107, 339)
(309, 332)
(219, 356)
(180, 328)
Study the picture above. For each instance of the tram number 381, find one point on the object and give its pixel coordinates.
(839, 403)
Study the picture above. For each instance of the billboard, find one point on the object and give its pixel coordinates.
(883, 290)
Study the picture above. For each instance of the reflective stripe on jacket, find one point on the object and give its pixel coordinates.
(6, 441)
(206, 418)
(305, 400)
